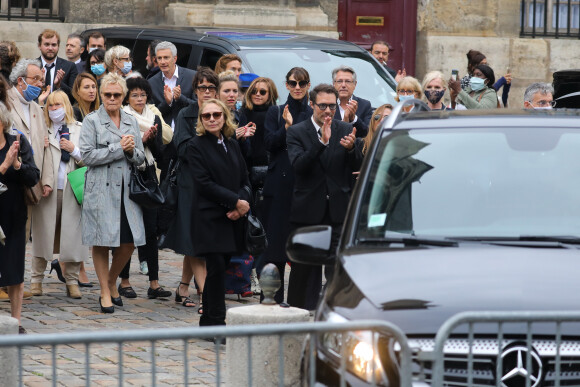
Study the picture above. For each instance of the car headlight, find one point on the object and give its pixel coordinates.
(361, 354)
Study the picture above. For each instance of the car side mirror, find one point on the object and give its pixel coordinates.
(310, 245)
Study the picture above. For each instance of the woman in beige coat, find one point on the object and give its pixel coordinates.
(56, 225)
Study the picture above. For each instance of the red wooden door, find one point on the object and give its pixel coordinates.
(395, 21)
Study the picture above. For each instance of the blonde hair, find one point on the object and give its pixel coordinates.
(272, 92)
(59, 96)
(429, 77)
(229, 127)
(85, 107)
(376, 119)
(113, 79)
(413, 83)
(115, 53)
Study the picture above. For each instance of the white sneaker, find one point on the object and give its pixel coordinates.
(256, 289)
(143, 268)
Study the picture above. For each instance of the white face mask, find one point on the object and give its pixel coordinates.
(57, 116)
(542, 107)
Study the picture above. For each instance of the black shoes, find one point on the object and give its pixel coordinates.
(106, 309)
(127, 292)
(54, 265)
(159, 293)
(85, 284)
(117, 300)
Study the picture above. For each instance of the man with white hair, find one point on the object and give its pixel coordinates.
(27, 79)
(539, 96)
(172, 87)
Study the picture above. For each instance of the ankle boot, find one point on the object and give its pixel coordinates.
(73, 291)
(36, 289)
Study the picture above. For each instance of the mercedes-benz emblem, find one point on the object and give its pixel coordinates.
(514, 368)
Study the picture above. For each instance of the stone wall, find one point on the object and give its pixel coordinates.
(448, 30)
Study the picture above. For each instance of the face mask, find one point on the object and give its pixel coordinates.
(98, 69)
(56, 116)
(32, 92)
(127, 66)
(92, 49)
(434, 96)
(542, 107)
(476, 83)
(403, 98)
(238, 105)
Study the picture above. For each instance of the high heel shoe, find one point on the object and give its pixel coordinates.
(117, 301)
(106, 309)
(55, 265)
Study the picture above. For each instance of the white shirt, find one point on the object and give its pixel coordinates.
(171, 82)
(51, 72)
(76, 154)
(318, 131)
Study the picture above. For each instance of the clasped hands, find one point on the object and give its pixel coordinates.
(242, 208)
(128, 144)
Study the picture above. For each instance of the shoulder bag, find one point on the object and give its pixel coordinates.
(169, 184)
(76, 179)
(32, 195)
(144, 187)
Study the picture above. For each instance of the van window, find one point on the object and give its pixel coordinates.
(210, 58)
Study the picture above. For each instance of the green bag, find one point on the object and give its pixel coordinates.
(76, 179)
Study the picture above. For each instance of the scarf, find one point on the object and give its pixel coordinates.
(145, 120)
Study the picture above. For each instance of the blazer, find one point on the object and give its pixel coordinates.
(322, 174)
(70, 74)
(364, 113)
(108, 176)
(219, 181)
(81, 66)
(36, 131)
(44, 219)
(185, 80)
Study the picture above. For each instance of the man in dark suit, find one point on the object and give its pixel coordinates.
(75, 46)
(172, 87)
(58, 73)
(323, 157)
(151, 60)
(380, 50)
(352, 109)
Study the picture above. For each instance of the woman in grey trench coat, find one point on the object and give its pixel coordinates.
(110, 143)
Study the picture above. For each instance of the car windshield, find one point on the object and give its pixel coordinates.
(504, 182)
(373, 83)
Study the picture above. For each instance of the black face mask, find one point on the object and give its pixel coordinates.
(434, 96)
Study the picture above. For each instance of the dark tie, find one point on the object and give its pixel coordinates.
(319, 133)
(47, 78)
(64, 133)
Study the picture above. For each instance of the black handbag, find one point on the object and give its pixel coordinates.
(258, 176)
(144, 187)
(255, 238)
(169, 185)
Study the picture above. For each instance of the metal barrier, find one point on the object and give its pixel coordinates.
(550, 340)
(184, 334)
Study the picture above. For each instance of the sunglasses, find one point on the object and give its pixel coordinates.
(262, 92)
(208, 116)
(206, 88)
(323, 106)
(302, 84)
(114, 95)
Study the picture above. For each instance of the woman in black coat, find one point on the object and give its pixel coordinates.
(205, 84)
(221, 202)
(17, 170)
(280, 178)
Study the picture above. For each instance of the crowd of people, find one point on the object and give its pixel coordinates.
(218, 131)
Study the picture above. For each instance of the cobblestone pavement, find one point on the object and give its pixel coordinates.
(54, 312)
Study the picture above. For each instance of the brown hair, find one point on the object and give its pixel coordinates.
(222, 62)
(4, 91)
(229, 128)
(9, 55)
(272, 92)
(300, 74)
(322, 88)
(47, 34)
(374, 124)
(85, 107)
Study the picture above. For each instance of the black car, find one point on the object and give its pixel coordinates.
(268, 54)
(456, 212)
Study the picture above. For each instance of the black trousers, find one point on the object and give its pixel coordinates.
(214, 300)
(149, 252)
(305, 282)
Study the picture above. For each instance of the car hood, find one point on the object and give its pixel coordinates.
(418, 289)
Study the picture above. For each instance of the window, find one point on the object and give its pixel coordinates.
(38, 10)
(550, 18)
